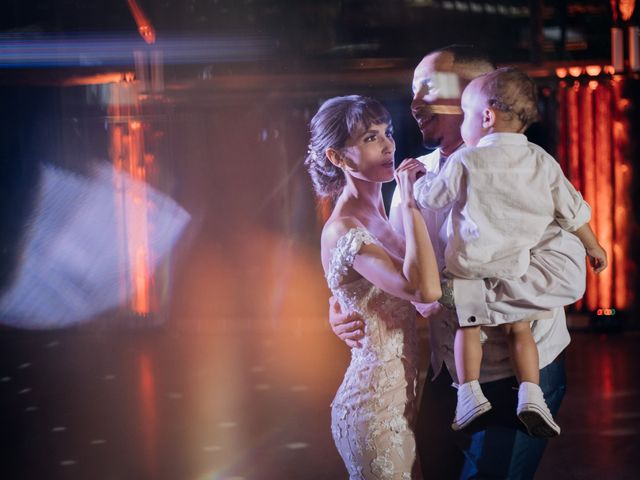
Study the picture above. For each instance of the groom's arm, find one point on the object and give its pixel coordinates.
(347, 327)
(555, 278)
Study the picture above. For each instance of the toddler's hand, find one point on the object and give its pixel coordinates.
(597, 258)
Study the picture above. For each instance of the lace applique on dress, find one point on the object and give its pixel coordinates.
(345, 252)
(373, 410)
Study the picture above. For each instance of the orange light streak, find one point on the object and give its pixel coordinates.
(586, 166)
(571, 140)
(127, 153)
(622, 201)
(594, 133)
(626, 8)
(561, 151)
(97, 79)
(146, 30)
(141, 302)
(137, 231)
(605, 365)
(604, 192)
(149, 413)
(573, 149)
(573, 163)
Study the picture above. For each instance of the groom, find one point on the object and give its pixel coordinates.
(495, 446)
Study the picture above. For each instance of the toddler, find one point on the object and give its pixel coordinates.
(503, 192)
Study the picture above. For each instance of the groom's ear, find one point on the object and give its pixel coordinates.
(488, 117)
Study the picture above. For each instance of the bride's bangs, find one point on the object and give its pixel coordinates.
(366, 113)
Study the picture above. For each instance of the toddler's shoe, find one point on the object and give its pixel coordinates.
(534, 413)
(471, 404)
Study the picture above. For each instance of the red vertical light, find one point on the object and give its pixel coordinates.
(604, 192)
(572, 142)
(588, 169)
(137, 223)
(573, 136)
(149, 413)
(127, 151)
(561, 148)
(593, 143)
(622, 201)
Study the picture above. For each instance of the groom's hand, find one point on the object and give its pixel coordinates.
(348, 327)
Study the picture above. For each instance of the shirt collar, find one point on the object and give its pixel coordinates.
(443, 158)
(502, 139)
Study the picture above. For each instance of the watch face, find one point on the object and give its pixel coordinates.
(447, 300)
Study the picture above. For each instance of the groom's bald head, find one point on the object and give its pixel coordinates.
(467, 61)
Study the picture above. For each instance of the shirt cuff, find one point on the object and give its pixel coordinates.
(420, 189)
(471, 305)
(581, 217)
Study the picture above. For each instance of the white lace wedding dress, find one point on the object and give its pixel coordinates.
(374, 409)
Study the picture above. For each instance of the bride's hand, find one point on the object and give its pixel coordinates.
(406, 175)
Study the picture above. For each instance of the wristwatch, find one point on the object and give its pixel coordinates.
(447, 300)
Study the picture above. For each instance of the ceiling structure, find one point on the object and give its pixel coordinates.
(302, 31)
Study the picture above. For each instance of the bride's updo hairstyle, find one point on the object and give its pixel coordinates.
(338, 120)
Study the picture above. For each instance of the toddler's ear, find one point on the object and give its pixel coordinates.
(488, 117)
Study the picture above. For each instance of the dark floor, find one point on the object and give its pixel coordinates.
(158, 404)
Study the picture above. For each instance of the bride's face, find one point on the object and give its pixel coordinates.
(369, 155)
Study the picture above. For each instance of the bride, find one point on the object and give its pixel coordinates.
(375, 272)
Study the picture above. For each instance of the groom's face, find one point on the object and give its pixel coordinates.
(436, 100)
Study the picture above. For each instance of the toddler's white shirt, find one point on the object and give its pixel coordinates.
(503, 194)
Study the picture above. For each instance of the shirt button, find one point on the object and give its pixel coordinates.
(472, 319)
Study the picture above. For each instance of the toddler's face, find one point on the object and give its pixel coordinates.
(473, 105)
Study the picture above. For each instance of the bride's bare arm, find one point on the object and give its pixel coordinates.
(419, 262)
(416, 278)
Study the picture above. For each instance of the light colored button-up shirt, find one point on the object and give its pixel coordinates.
(555, 278)
(502, 195)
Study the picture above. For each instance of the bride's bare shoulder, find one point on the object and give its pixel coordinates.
(337, 227)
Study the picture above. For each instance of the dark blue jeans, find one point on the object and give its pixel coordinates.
(496, 446)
